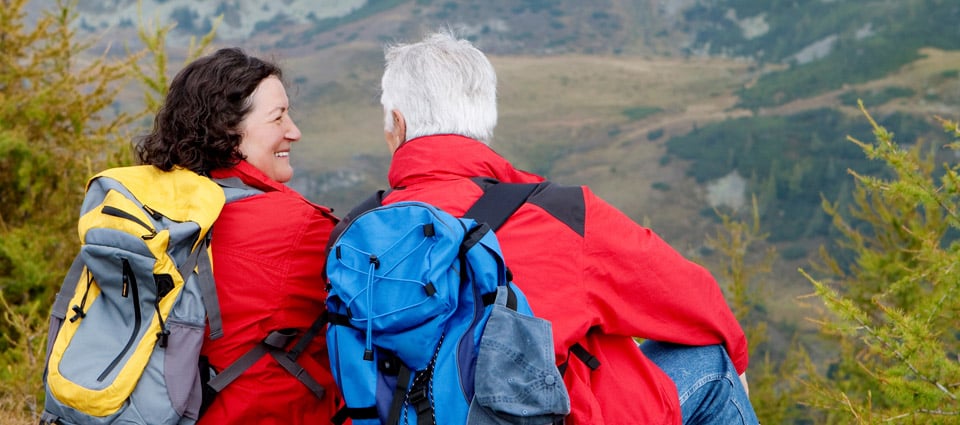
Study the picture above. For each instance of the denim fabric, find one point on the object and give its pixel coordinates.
(516, 380)
(708, 385)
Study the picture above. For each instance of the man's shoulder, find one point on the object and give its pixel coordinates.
(564, 203)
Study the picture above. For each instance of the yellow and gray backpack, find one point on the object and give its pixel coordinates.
(128, 323)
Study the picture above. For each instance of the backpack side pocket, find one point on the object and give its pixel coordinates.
(516, 378)
(181, 372)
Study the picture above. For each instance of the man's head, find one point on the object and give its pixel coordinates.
(440, 85)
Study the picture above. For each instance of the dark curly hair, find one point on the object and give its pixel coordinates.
(196, 128)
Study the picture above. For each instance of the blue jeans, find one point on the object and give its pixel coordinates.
(709, 387)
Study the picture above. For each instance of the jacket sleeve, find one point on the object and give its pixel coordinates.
(640, 286)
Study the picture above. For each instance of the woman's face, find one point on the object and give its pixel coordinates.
(268, 131)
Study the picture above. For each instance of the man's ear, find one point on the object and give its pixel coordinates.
(398, 135)
(400, 125)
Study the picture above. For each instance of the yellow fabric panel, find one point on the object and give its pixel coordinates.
(95, 218)
(178, 194)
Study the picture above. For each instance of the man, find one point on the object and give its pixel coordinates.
(598, 276)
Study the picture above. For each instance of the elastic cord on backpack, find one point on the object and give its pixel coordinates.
(78, 309)
(368, 351)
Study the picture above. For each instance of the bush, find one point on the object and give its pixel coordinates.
(888, 308)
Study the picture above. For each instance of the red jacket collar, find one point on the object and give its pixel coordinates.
(256, 178)
(251, 176)
(450, 157)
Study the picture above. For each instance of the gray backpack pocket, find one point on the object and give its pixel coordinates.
(517, 381)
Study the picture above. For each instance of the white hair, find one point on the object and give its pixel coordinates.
(441, 85)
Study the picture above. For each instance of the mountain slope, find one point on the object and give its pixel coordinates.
(579, 67)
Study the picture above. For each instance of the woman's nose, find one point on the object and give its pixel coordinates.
(293, 132)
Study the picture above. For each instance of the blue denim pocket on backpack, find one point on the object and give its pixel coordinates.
(516, 380)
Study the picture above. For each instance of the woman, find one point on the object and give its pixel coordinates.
(227, 115)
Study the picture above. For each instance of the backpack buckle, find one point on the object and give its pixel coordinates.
(280, 338)
(419, 398)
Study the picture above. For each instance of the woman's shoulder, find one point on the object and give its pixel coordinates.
(286, 203)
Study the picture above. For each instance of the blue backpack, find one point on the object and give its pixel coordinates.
(426, 326)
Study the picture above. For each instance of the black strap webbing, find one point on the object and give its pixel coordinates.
(354, 412)
(232, 372)
(585, 356)
(499, 202)
(308, 337)
(581, 353)
(274, 344)
(419, 397)
(299, 372)
(368, 204)
(399, 395)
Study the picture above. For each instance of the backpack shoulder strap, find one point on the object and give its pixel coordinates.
(235, 189)
(499, 201)
(62, 301)
(275, 345)
(373, 201)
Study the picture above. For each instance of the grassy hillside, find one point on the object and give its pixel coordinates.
(602, 120)
(827, 44)
(573, 118)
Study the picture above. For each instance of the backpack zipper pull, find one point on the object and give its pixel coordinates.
(163, 337)
(153, 213)
(164, 285)
(125, 287)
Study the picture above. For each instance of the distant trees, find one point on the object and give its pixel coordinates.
(790, 160)
(870, 39)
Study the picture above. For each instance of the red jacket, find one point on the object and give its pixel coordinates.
(268, 255)
(598, 276)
